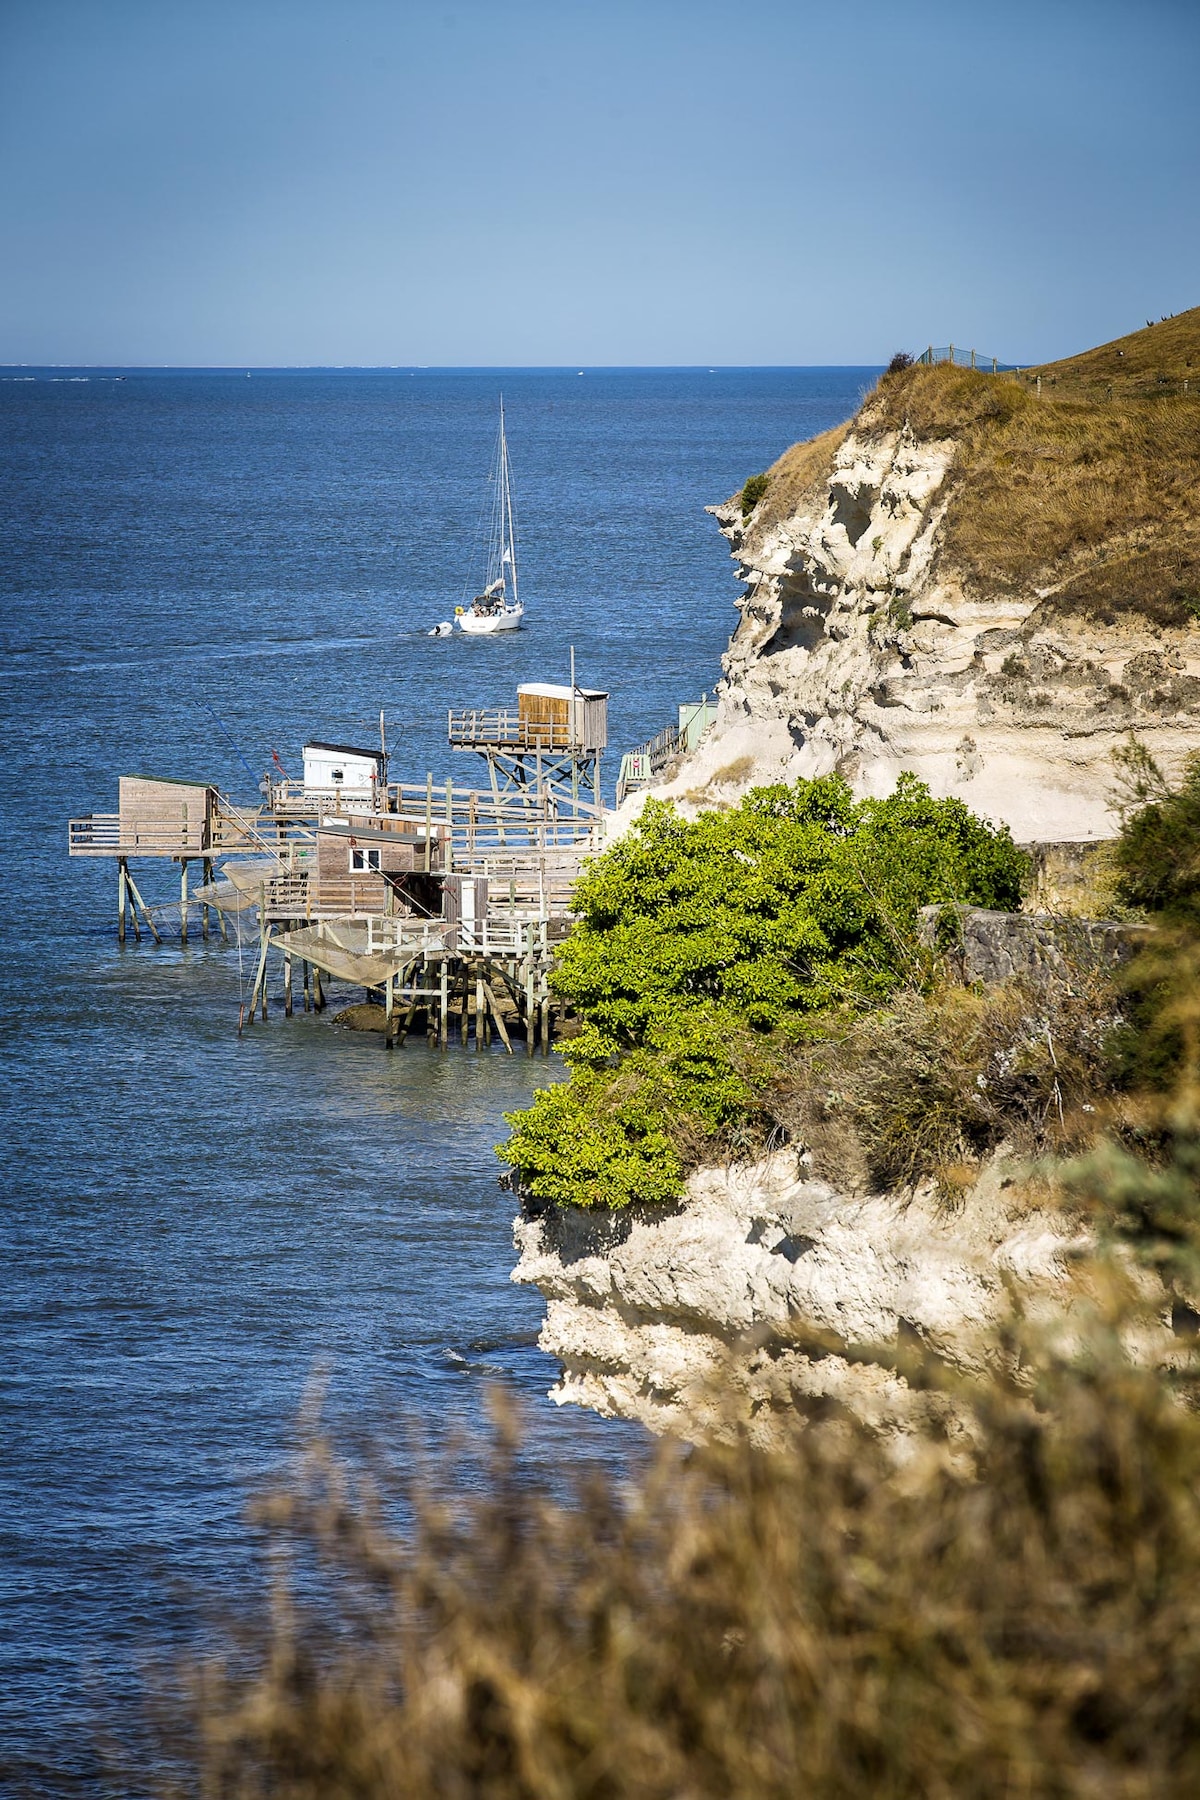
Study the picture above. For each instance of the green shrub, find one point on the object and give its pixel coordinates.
(1158, 852)
(753, 491)
(705, 948)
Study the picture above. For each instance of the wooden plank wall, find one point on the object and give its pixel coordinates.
(165, 815)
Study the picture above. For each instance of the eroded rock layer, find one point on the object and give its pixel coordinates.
(644, 1313)
(866, 647)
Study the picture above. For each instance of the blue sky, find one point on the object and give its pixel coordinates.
(591, 181)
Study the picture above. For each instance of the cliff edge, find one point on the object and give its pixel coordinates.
(987, 579)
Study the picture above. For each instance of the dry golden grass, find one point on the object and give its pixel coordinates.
(1090, 491)
(1092, 499)
(1163, 355)
(1019, 1618)
(796, 479)
(1095, 499)
(935, 1082)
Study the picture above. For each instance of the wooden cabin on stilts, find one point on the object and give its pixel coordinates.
(447, 901)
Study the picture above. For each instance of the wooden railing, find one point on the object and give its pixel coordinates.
(95, 834)
(291, 796)
(498, 726)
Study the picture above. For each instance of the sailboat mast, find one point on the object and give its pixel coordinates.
(506, 508)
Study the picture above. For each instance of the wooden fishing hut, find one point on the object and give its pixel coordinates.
(160, 817)
(551, 741)
(338, 778)
(455, 907)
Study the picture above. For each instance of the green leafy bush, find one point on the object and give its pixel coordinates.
(706, 948)
(752, 492)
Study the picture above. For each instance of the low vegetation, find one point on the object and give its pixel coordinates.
(752, 492)
(707, 951)
(1084, 491)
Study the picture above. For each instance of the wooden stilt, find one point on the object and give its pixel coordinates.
(287, 987)
(495, 1012)
(444, 1004)
(318, 990)
(411, 1013)
(479, 1008)
(530, 1004)
(122, 899)
(145, 910)
(304, 979)
(258, 991)
(389, 1009)
(183, 899)
(206, 878)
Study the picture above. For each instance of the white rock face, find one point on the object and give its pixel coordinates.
(643, 1313)
(858, 652)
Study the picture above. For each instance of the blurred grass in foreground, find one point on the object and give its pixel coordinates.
(1013, 1610)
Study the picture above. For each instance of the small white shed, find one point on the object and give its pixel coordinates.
(341, 769)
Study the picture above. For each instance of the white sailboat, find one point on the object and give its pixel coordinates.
(498, 607)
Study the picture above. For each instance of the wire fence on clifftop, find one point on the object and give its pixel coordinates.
(964, 359)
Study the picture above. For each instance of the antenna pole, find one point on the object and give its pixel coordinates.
(574, 722)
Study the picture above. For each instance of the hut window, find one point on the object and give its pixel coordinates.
(339, 774)
(363, 860)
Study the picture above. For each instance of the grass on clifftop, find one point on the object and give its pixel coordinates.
(1088, 491)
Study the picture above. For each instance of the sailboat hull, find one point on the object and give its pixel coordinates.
(484, 624)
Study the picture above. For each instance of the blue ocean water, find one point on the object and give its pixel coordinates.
(193, 1223)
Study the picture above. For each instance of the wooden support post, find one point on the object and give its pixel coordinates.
(479, 1007)
(259, 990)
(304, 979)
(411, 1011)
(206, 880)
(122, 899)
(495, 1012)
(389, 1008)
(183, 899)
(530, 1007)
(318, 990)
(287, 986)
(428, 823)
(139, 902)
(444, 1004)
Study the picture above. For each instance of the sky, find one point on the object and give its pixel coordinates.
(547, 182)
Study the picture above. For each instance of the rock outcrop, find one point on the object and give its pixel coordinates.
(643, 1313)
(869, 643)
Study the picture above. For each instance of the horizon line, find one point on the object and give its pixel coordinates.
(427, 368)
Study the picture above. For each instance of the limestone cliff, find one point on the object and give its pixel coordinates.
(644, 1312)
(988, 580)
(984, 580)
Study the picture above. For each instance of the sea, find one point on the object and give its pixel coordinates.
(200, 569)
